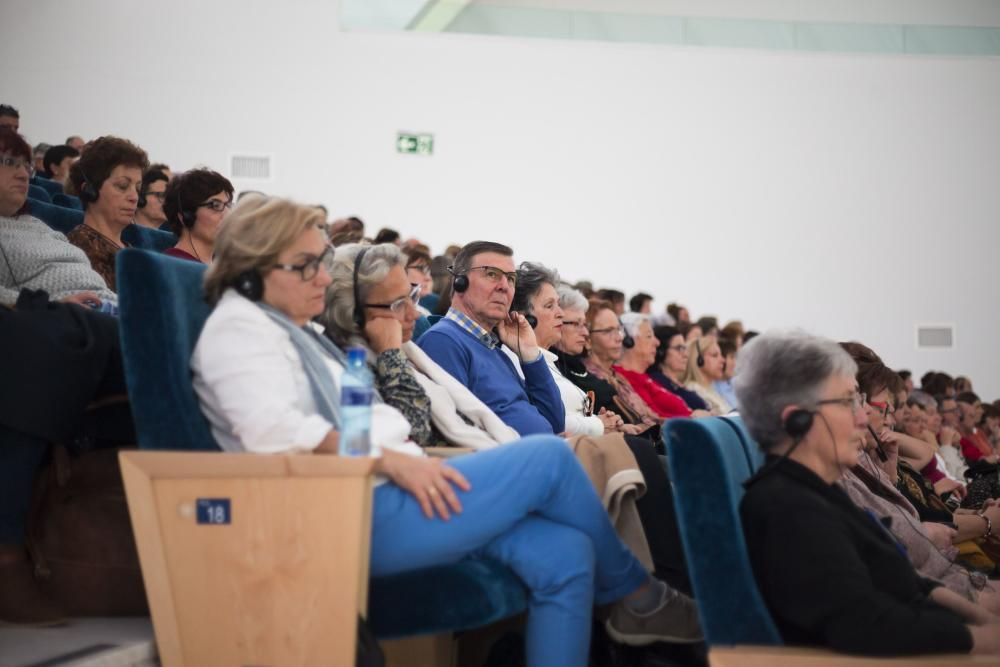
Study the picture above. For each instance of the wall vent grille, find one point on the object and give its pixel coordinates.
(936, 336)
(256, 167)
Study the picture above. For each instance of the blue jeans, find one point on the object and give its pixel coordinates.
(532, 508)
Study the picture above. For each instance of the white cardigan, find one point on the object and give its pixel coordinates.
(254, 391)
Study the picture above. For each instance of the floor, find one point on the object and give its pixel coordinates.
(87, 642)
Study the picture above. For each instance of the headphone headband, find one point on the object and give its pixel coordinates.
(359, 313)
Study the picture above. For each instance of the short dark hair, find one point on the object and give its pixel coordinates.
(386, 235)
(101, 157)
(8, 110)
(968, 397)
(727, 346)
(663, 334)
(414, 256)
(159, 166)
(13, 143)
(463, 260)
(530, 278)
(153, 175)
(612, 295)
(707, 323)
(57, 154)
(190, 189)
(904, 374)
(934, 382)
(636, 303)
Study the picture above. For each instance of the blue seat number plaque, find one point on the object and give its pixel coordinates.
(213, 511)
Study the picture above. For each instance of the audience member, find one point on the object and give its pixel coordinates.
(975, 444)
(195, 204)
(641, 303)
(519, 504)
(77, 142)
(386, 235)
(36, 257)
(706, 366)
(679, 314)
(585, 287)
(692, 332)
(636, 358)
(907, 378)
(615, 297)
(829, 573)
(709, 326)
(107, 177)
(57, 162)
(418, 272)
(949, 437)
(11, 119)
(670, 364)
(728, 347)
(38, 157)
(733, 331)
(466, 342)
(149, 211)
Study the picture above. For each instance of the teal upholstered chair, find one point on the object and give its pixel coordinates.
(68, 201)
(58, 218)
(708, 465)
(39, 194)
(161, 313)
(146, 238)
(50, 186)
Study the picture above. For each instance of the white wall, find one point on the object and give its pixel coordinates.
(853, 195)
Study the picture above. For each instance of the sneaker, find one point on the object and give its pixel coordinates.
(676, 621)
(21, 601)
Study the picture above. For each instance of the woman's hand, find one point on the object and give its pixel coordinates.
(940, 534)
(943, 486)
(948, 437)
(611, 421)
(384, 333)
(428, 480)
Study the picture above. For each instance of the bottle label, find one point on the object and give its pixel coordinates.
(353, 397)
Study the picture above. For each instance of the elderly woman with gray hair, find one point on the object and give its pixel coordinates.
(830, 573)
(635, 361)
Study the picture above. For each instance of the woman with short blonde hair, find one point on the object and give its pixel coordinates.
(705, 366)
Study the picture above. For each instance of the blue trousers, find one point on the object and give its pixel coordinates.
(531, 507)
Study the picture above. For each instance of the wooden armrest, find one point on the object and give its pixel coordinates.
(447, 452)
(788, 656)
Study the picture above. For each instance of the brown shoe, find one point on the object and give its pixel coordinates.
(676, 621)
(21, 601)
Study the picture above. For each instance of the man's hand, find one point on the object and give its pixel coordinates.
(517, 334)
(384, 333)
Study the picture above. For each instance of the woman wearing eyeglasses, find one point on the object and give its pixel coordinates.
(107, 177)
(669, 366)
(829, 572)
(267, 382)
(195, 203)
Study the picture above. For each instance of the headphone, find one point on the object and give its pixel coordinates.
(798, 423)
(627, 341)
(250, 284)
(461, 281)
(88, 193)
(531, 320)
(359, 311)
(142, 199)
(701, 364)
(187, 217)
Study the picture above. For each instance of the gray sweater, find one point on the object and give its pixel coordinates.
(35, 256)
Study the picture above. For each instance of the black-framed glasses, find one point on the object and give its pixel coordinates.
(307, 269)
(16, 163)
(494, 275)
(218, 206)
(620, 330)
(398, 306)
(856, 402)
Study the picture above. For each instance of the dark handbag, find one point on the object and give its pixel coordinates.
(369, 652)
(80, 536)
(983, 484)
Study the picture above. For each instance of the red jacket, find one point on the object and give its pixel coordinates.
(661, 401)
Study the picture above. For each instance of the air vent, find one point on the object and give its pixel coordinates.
(256, 167)
(937, 336)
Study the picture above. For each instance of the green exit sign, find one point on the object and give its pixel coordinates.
(415, 144)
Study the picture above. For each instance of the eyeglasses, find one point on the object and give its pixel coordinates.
(856, 402)
(218, 206)
(307, 269)
(16, 163)
(158, 195)
(620, 330)
(679, 348)
(494, 275)
(574, 323)
(398, 306)
(884, 408)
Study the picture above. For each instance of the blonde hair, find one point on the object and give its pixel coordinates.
(252, 237)
(693, 372)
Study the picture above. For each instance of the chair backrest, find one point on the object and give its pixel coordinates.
(161, 314)
(147, 238)
(69, 201)
(39, 193)
(708, 467)
(755, 455)
(50, 186)
(58, 218)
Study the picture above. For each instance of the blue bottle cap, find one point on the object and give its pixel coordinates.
(356, 356)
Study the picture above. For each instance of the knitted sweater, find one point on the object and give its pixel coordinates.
(37, 257)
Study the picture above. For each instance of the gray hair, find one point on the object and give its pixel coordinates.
(782, 368)
(338, 315)
(530, 278)
(921, 398)
(632, 322)
(571, 299)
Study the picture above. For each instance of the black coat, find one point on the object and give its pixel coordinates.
(832, 576)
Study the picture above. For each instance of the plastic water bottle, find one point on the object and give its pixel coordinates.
(356, 405)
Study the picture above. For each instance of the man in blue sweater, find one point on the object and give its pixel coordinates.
(466, 343)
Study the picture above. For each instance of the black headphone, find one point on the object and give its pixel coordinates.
(531, 320)
(461, 281)
(359, 311)
(798, 423)
(250, 284)
(187, 217)
(700, 360)
(142, 199)
(627, 341)
(88, 193)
